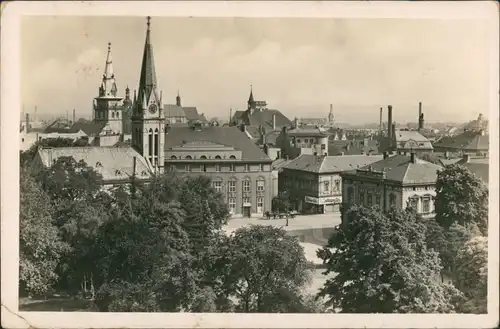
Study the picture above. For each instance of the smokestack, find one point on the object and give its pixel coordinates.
(274, 121)
(380, 124)
(389, 121)
(74, 116)
(27, 124)
(331, 107)
(67, 115)
(230, 115)
(420, 117)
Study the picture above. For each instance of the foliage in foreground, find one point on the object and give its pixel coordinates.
(382, 263)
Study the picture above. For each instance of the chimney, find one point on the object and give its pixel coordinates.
(74, 116)
(413, 157)
(389, 122)
(466, 158)
(230, 115)
(420, 117)
(27, 123)
(274, 121)
(243, 128)
(36, 110)
(393, 134)
(386, 155)
(380, 124)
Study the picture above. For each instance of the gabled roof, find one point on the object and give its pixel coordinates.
(406, 135)
(191, 113)
(172, 110)
(262, 118)
(113, 163)
(399, 168)
(468, 140)
(231, 136)
(89, 128)
(330, 164)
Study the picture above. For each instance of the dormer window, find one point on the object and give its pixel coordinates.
(118, 172)
(98, 164)
(143, 173)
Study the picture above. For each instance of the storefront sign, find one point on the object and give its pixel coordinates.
(319, 201)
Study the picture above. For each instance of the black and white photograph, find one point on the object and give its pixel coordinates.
(249, 165)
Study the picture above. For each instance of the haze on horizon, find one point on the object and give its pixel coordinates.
(298, 65)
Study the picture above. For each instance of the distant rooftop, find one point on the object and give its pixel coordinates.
(330, 164)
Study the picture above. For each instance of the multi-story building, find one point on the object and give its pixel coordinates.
(313, 183)
(395, 181)
(239, 169)
(297, 141)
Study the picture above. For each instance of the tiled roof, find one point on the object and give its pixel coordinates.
(399, 168)
(192, 114)
(280, 163)
(330, 164)
(230, 136)
(468, 140)
(337, 147)
(308, 132)
(172, 110)
(262, 118)
(89, 128)
(406, 135)
(113, 163)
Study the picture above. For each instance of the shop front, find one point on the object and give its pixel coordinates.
(322, 205)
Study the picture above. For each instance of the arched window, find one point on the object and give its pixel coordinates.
(117, 114)
(150, 143)
(156, 142)
(217, 157)
(261, 185)
(203, 157)
(112, 114)
(232, 157)
(188, 157)
(173, 157)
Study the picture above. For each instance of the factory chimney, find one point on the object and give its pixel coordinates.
(230, 115)
(389, 122)
(74, 116)
(27, 123)
(420, 117)
(380, 124)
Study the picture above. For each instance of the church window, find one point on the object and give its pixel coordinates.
(150, 142)
(157, 144)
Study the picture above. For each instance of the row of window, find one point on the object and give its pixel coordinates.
(102, 115)
(203, 167)
(326, 186)
(204, 157)
(231, 201)
(218, 185)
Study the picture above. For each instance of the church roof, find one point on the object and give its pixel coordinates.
(113, 163)
(232, 136)
(172, 110)
(147, 81)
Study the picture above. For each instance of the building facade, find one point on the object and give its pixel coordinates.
(398, 181)
(239, 169)
(297, 141)
(314, 184)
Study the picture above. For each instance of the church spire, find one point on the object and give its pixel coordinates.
(250, 99)
(178, 99)
(108, 69)
(147, 81)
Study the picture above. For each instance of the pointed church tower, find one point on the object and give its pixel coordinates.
(178, 99)
(148, 120)
(107, 107)
(251, 101)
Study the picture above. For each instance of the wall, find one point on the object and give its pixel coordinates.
(209, 169)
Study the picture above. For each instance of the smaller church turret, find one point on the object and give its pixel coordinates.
(178, 99)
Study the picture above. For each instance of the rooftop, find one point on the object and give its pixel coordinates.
(113, 163)
(400, 168)
(231, 136)
(406, 135)
(330, 164)
(468, 140)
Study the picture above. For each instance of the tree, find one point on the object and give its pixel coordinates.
(461, 197)
(264, 268)
(382, 265)
(28, 155)
(472, 274)
(41, 247)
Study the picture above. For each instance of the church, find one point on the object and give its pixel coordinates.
(238, 168)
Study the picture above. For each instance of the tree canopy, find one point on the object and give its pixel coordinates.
(382, 265)
(461, 197)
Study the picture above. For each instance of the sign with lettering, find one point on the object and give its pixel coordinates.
(321, 201)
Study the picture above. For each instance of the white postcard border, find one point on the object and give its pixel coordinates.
(9, 133)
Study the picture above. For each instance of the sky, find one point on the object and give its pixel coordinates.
(298, 65)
